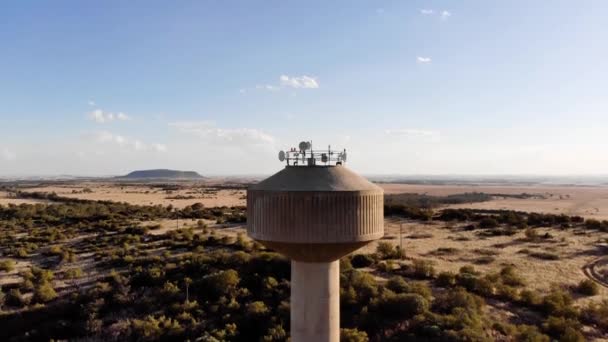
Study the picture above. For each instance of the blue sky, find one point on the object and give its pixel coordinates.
(410, 87)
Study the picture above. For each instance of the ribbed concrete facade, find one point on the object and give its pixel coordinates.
(315, 217)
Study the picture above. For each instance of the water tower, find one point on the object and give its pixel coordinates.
(315, 211)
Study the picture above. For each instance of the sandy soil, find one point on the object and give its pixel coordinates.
(147, 195)
(587, 201)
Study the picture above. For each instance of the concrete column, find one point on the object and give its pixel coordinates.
(315, 301)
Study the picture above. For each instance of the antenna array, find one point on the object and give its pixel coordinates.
(304, 155)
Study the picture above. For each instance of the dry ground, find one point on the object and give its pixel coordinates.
(148, 195)
(586, 201)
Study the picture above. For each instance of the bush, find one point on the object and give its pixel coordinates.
(44, 293)
(596, 313)
(558, 303)
(488, 222)
(544, 255)
(587, 287)
(423, 268)
(400, 306)
(14, 298)
(7, 265)
(362, 260)
(446, 279)
(565, 329)
(386, 250)
(509, 277)
(353, 335)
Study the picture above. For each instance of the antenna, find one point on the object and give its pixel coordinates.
(304, 155)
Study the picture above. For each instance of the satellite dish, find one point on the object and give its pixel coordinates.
(343, 156)
(282, 156)
(324, 157)
(304, 145)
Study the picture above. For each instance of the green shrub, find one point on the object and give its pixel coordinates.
(510, 277)
(423, 268)
(400, 306)
(7, 265)
(558, 303)
(587, 287)
(530, 298)
(529, 333)
(353, 335)
(564, 329)
(362, 260)
(44, 293)
(445, 279)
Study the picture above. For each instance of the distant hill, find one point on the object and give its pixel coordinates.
(162, 174)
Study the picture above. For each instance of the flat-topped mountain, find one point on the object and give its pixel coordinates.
(162, 173)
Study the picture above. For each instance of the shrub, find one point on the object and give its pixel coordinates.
(400, 306)
(531, 234)
(44, 293)
(587, 287)
(7, 265)
(353, 335)
(446, 279)
(362, 260)
(423, 268)
(544, 255)
(596, 313)
(509, 277)
(488, 222)
(530, 298)
(558, 303)
(14, 298)
(566, 329)
(385, 250)
(529, 333)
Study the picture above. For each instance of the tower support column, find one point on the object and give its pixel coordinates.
(315, 301)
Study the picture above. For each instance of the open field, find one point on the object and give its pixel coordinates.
(586, 201)
(179, 195)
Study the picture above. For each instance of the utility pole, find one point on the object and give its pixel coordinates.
(401, 240)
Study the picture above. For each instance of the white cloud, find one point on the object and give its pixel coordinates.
(100, 116)
(420, 59)
(415, 134)
(267, 87)
(445, 14)
(159, 147)
(426, 11)
(380, 10)
(105, 137)
(7, 154)
(208, 131)
(304, 81)
(91, 103)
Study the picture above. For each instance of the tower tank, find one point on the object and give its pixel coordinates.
(315, 211)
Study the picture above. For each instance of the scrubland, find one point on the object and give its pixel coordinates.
(155, 264)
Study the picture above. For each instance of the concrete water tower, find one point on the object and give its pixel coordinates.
(315, 211)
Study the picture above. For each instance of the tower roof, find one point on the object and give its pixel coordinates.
(315, 178)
